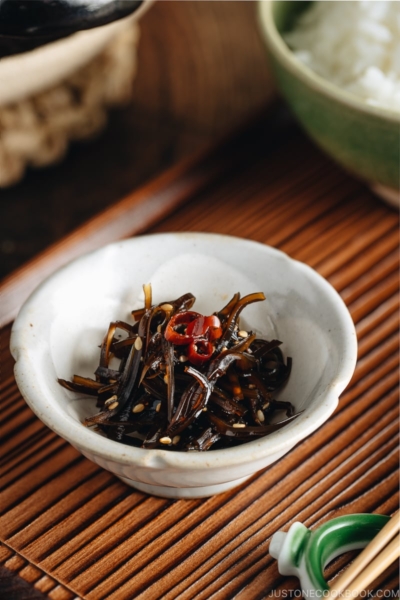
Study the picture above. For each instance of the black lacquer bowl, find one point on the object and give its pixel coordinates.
(27, 24)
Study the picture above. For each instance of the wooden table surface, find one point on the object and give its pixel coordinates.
(70, 530)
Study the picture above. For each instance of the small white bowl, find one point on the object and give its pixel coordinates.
(59, 328)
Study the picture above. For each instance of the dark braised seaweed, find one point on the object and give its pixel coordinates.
(186, 381)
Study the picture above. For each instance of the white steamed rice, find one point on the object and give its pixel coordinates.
(355, 44)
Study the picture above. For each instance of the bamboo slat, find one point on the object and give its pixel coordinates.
(74, 531)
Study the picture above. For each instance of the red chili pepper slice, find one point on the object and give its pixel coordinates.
(205, 327)
(180, 321)
(200, 351)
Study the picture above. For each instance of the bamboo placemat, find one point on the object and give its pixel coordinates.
(73, 530)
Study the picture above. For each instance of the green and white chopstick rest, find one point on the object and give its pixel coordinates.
(305, 554)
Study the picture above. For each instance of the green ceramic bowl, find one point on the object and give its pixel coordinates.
(362, 138)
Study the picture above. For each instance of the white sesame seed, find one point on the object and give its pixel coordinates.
(112, 406)
(243, 334)
(158, 407)
(138, 408)
(238, 425)
(165, 440)
(165, 378)
(167, 307)
(111, 400)
(205, 409)
(183, 358)
(175, 439)
(260, 416)
(159, 328)
(252, 386)
(266, 405)
(138, 343)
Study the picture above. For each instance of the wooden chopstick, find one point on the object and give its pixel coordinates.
(376, 567)
(372, 561)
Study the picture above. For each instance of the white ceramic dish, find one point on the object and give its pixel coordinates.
(60, 326)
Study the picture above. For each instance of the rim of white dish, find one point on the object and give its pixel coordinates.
(274, 39)
(29, 73)
(40, 401)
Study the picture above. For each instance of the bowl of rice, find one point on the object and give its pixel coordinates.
(338, 66)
